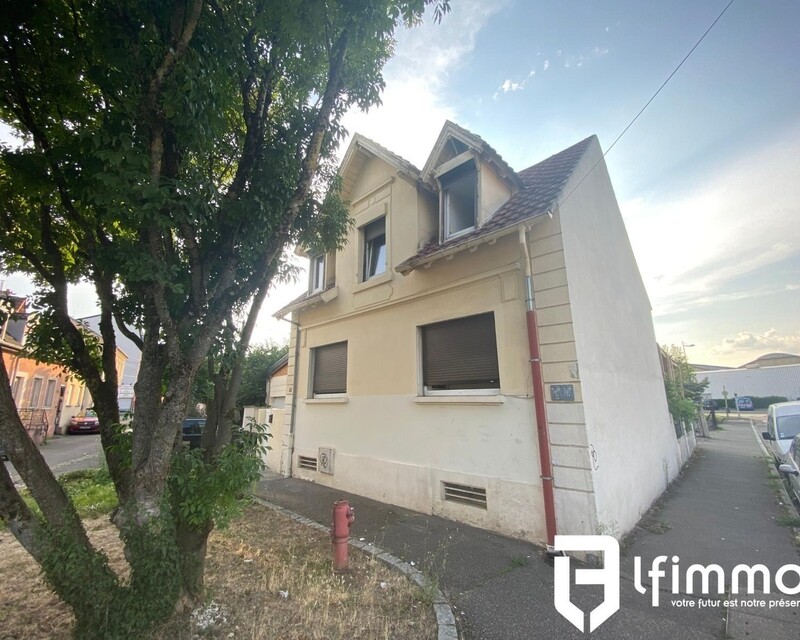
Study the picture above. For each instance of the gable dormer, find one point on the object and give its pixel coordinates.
(471, 179)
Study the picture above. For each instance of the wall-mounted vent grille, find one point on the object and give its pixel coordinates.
(473, 496)
(307, 462)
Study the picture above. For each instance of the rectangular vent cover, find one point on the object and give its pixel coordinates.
(326, 456)
(306, 462)
(473, 496)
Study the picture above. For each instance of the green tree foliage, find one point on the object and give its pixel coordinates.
(684, 392)
(257, 363)
(169, 152)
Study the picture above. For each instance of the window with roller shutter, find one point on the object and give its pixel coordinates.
(460, 354)
(329, 370)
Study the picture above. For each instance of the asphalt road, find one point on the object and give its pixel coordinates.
(68, 453)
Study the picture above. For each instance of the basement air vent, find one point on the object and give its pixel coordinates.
(473, 496)
(306, 462)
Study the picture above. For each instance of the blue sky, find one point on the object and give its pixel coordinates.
(708, 179)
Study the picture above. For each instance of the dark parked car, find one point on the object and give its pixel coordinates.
(709, 404)
(3, 454)
(193, 431)
(84, 422)
(744, 403)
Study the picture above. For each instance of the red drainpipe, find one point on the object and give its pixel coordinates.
(542, 430)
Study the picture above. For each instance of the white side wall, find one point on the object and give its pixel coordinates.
(273, 418)
(628, 427)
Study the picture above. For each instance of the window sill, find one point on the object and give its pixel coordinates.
(386, 276)
(460, 399)
(331, 400)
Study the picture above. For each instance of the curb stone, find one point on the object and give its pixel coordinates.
(441, 606)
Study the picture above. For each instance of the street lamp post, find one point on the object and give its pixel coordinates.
(680, 369)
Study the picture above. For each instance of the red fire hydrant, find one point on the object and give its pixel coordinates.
(343, 518)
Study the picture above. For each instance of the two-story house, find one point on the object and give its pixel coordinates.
(482, 348)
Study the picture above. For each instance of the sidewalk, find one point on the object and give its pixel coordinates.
(722, 511)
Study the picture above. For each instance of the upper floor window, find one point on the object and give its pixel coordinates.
(374, 238)
(459, 199)
(317, 269)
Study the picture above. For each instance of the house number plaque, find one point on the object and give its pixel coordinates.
(562, 392)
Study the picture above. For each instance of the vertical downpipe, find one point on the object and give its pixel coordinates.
(287, 472)
(538, 395)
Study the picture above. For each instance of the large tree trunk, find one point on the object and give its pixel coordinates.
(193, 542)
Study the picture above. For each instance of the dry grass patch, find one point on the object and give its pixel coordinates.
(268, 577)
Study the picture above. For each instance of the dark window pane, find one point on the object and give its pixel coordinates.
(374, 248)
(460, 196)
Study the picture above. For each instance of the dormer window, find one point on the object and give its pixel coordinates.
(317, 273)
(459, 200)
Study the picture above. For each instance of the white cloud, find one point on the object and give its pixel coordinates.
(600, 51)
(546, 65)
(574, 61)
(742, 219)
(510, 85)
(413, 109)
(747, 341)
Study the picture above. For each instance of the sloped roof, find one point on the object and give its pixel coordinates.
(307, 299)
(352, 163)
(764, 360)
(282, 362)
(542, 186)
(453, 130)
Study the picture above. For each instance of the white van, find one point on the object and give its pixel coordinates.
(783, 424)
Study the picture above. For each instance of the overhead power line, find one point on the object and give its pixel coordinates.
(647, 104)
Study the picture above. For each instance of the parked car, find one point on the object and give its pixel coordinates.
(783, 425)
(84, 422)
(709, 404)
(193, 431)
(3, 454)
(790, 468)
(744, 403)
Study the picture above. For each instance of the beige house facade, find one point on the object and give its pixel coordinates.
(409, 378)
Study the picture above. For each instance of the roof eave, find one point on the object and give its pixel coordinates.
(408, 266)
(325, 296)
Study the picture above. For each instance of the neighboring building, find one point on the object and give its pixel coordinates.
(772, 360)
(130, 372)
(273, 414)
(414, 384)
(699, 368)
(276, 383)
(759, 382)
(47, 396)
